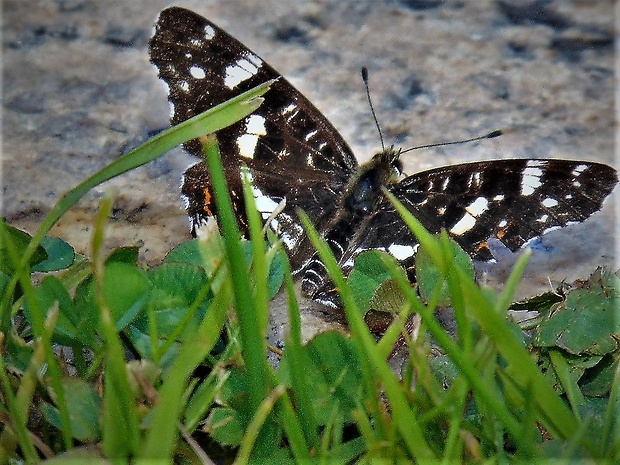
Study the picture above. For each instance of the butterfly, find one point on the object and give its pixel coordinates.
(294, 154)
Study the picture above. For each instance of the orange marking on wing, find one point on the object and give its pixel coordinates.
(482, 246)
(502, 232)
(207, 204)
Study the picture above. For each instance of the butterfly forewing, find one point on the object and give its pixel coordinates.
(290, 148)
(296, 158)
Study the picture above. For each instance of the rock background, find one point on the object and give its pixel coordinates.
(78, 91)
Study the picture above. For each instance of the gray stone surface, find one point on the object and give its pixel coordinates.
(78, 91)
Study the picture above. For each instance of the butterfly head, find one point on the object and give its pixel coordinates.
(388, 164)
(363, 190)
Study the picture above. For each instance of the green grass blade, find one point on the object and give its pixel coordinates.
(43, 335)
(610, 441)
(253, 340)
(120, 421)
(259, 260)
(260, 416)
(492, 322)
(296, 365)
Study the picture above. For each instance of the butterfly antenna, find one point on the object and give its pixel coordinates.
(490, 135)
(372, 108)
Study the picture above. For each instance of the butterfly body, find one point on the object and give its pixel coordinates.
(293, 153)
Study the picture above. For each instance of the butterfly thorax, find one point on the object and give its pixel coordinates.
(363, 190)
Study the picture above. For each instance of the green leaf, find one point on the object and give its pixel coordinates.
(369, 273)
(175, 287)
(84, 405)
(586, 326)
(126, 290)
(127, 255)
(60, 255)
(597, 381)
(225, 426)
(187, 252)
(276, 273)
(66, 331)
(428, 275)
(20, 240)
(540, 303)
(332, 371)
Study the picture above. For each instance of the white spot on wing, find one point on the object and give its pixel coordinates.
(288, 109)
(265, 205)
(401, 252)
(197, 72)
(241, 70)
(247, 144)
(549, 202)
(478, 207)
(531, 177)
(310, 135)
(464, 225)
(476, 178)
(255, 127)
(579, 169)
(209, 32)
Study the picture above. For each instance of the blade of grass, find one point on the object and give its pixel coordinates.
(260, 416)
(294, 431)
(610, 440)
(296, 366)
(575, 397)
(259, 261)
(458, 357)
(550, 406)
(18, 433)
(120, 421)
(490, 318)
(253, 341)
(253, 344)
